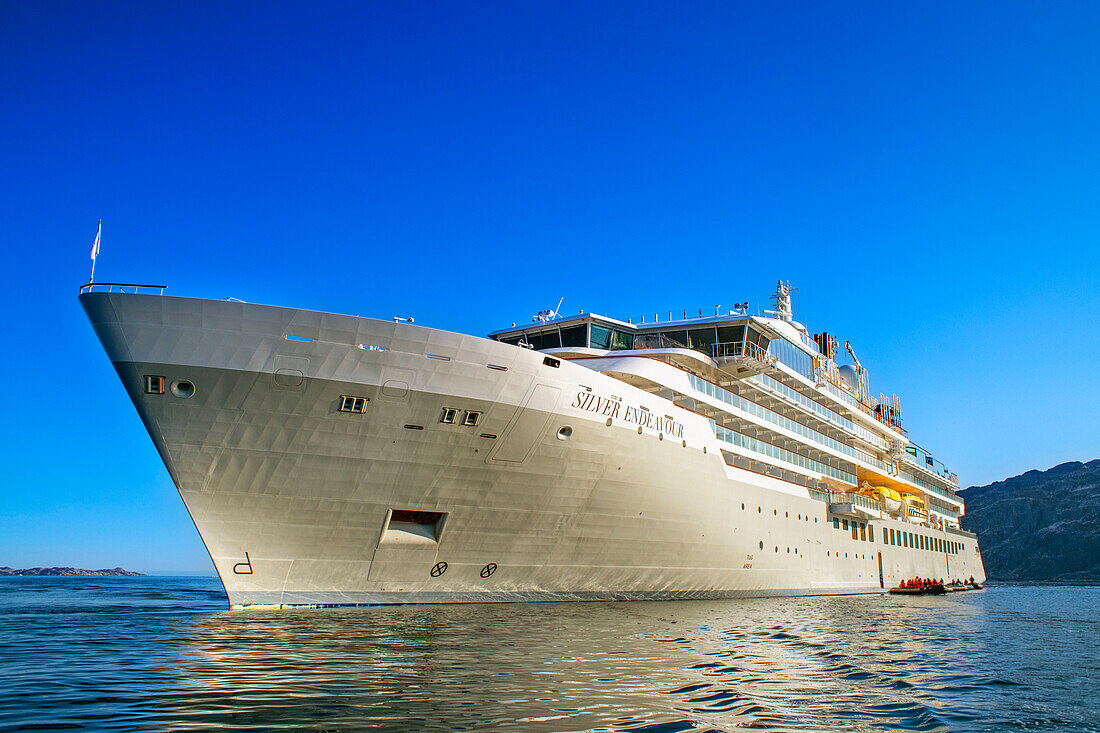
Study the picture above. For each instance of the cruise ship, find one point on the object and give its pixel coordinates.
(332, 459)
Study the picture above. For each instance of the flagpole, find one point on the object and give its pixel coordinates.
(95, 251)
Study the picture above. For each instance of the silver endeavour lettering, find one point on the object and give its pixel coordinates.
(638, 415)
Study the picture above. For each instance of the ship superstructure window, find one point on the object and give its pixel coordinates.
(792, 356)
(702, 339)
(350, 403)
(472, 418)
(154, 384)
(601, 337)
(661, 340)
(449, 416)
(730, 334)
(574, 336)
(870, 533)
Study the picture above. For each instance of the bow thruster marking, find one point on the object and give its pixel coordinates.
(488, 570)
(438, 569)
(243, 568)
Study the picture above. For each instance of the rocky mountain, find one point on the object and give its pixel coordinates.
(1040, 525)
(66, 571)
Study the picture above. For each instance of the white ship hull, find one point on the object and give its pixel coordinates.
(292, 497)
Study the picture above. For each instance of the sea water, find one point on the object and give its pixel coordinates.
(165, 654)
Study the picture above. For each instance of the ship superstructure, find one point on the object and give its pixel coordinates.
(330, 459)
(776, 398)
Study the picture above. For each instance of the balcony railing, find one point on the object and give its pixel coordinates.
(945, 474)
(727, 349)
(131, 288)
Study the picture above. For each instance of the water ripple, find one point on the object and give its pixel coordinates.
(142, 654)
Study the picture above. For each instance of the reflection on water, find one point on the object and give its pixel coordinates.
(157, 653)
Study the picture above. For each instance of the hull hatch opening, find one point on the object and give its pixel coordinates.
(410, 527)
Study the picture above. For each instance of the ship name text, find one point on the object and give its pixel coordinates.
(614, 408)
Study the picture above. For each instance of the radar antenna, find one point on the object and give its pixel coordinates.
(782, 300)
(548, 315)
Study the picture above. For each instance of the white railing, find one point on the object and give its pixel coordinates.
(130, 288)
(727, 349)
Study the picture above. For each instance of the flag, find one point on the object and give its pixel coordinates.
(95, 247)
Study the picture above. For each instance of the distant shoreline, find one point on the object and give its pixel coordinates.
(69, 572)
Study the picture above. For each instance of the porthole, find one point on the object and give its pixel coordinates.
(761, 544)
(684, 443)
(777, 549)
(608, 423)
(565, 432)
(639, 430)
(660, 436)
(704, 450)
(757, 510)
(742, 506)
(786, 515)
(183, 388)
(775, 512)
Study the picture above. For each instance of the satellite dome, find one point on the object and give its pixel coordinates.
(849, 378)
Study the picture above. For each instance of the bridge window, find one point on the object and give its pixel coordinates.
(622, 340)
(574, 336)
(601, 337)
(731, 334)
(701, 339)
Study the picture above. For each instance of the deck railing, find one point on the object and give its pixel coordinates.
(131, 288)
(727, 349)
(832, 384)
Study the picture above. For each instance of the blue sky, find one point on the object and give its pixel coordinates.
(927, 174)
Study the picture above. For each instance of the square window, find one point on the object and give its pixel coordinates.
(350, 403)
(472, 418)
(448, 416)
(154, 384)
